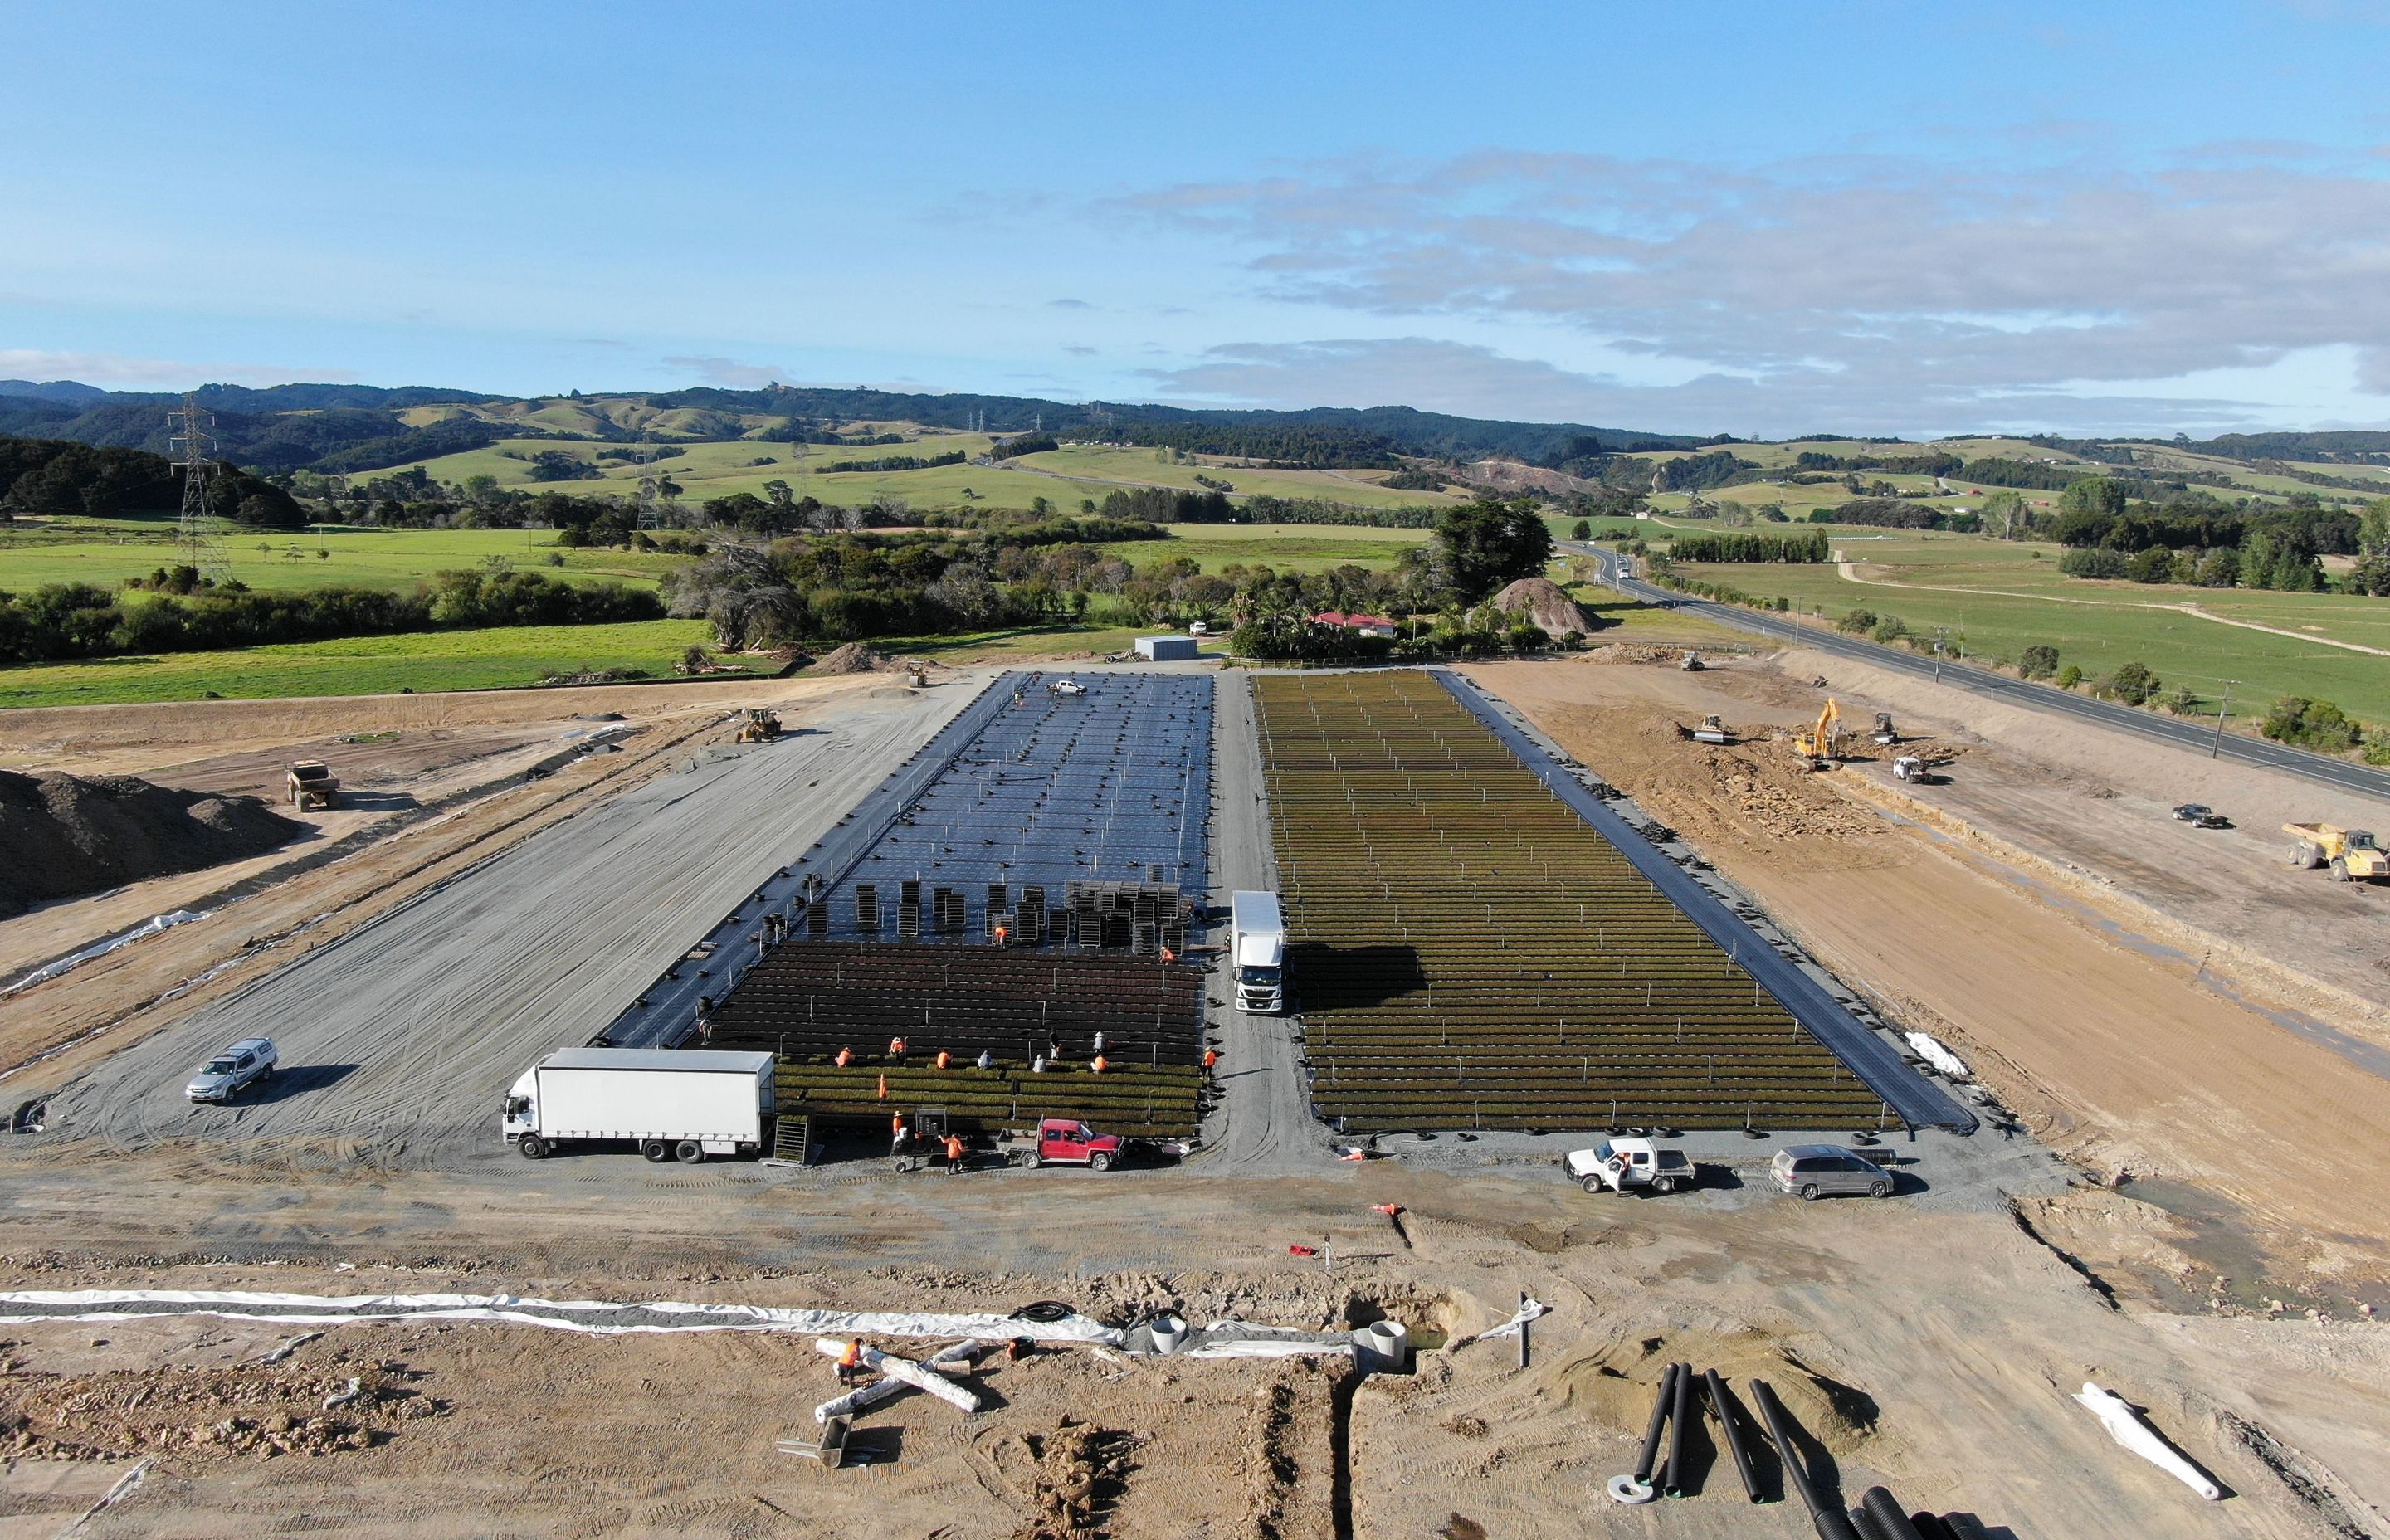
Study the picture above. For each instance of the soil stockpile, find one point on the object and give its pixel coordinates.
(1545, 603)
(61, 835)
(854, 658)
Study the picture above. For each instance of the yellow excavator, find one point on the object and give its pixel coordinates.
(1822, 744)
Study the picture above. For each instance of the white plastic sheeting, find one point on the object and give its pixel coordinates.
(2125, 1425)
(150, 927)
(1529, 1309)
(1934, 1052)
(598, 1315)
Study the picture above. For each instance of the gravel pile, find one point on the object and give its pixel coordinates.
(61, 835)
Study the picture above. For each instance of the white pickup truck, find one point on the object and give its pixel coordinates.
(1616, 1164)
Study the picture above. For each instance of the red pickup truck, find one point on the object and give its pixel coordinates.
(1069, 1142)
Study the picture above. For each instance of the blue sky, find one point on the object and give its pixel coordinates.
(1718, 217)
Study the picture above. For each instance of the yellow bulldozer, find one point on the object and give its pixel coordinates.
(762, 724)
(2351, 853)
(1822, 744)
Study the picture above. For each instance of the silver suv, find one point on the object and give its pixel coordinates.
(233, 1071)
(1822, 1171)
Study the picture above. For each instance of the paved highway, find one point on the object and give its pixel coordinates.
(2179, 732)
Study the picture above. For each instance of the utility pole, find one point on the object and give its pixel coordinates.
(2222, 712)
(194, 539)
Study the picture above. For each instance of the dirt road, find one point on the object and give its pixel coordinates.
(2124, 1059)
(398, 1039)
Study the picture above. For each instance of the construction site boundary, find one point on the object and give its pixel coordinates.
(1912, 1097)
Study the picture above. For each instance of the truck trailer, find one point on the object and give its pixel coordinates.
(668, 1103)
(1257, 952)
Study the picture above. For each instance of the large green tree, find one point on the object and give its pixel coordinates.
(1487, 543)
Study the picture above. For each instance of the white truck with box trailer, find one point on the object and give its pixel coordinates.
(670, 1103)
(1257, 952)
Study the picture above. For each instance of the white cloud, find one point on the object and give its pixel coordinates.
(120, 371)
(729, 373)
(1859, 291)
(1440, 375)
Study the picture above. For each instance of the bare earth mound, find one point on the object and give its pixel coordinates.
(62, 835)
(854, 658)
(1545, 603)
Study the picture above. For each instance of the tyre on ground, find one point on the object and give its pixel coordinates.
(1809, 1193)
(2307, 858)
(1100, 1160)
(1878, 1189)
(689, 1151)
(1664, 1184)
(531, 1146)
(655, 1150)
(2339, 869)
(1593, 1184)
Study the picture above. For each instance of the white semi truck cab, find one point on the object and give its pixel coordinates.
(670, 1103)
(1257, 952)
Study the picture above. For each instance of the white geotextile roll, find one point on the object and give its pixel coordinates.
(2125, 1427)
(908, 1371)
(954, 1358)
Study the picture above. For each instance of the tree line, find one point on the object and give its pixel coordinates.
(60, 621)
(54, 476)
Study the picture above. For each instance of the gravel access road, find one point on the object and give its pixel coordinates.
(1262, 1124)
(2181, 733)
(399, 1039)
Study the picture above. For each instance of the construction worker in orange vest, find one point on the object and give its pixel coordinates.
(945, 1058)
(896, 1127)
(849, 1361)
(1211, 1057)
(845, 1057)
(1100, 1065)
(1000, 935)
(954, 1153)
(896, 1049)
(1168, 956)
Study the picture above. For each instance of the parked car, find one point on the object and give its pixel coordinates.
(233, 1071)
(2201, 816)
(1812, 1171)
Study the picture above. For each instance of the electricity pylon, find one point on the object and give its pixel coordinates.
(196, 544)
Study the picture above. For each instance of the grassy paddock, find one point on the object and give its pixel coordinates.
(423, 661)
(107, 551)
(2020, 603)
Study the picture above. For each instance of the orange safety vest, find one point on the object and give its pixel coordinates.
(1211, 1057)
(945, 1058)
(895, 1046)
(852, 1357)
(846, 1057)
(1098, 1065)
(954, 1148)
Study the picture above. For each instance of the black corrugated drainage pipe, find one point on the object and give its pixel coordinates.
(1660, 1404)
(1723, 1407)
(1891, 1519)
(1674, 1486)
(1831, 1523)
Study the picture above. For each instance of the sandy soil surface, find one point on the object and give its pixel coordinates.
(1932, 1352)
(2096, 805)
(2118, 1050)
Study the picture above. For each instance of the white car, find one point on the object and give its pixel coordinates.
(233, 1071)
